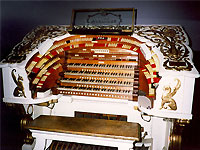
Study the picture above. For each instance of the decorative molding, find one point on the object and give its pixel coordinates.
(32, 40)
(167, 96)
(171, 41)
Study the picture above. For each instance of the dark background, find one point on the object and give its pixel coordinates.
(20, 17)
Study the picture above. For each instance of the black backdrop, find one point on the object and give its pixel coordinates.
(20, 17)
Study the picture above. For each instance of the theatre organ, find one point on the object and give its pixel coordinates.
(142, 78)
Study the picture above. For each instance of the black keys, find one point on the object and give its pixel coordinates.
(108, 65)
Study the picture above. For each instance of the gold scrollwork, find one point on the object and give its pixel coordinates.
(19, 90)
(170, 40)
(168, 94)
(32, 40)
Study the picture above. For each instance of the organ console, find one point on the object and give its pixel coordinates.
(146, 76)
(103, 69)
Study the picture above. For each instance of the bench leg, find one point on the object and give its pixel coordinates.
(40, 143)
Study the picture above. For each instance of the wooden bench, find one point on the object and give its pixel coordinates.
(112, 133)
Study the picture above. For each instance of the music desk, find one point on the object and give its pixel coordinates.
(84, 130)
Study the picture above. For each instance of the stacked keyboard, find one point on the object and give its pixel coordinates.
(107, 73)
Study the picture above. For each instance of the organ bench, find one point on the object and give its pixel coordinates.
(119, 134)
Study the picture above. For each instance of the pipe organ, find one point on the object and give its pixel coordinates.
(147, 77)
